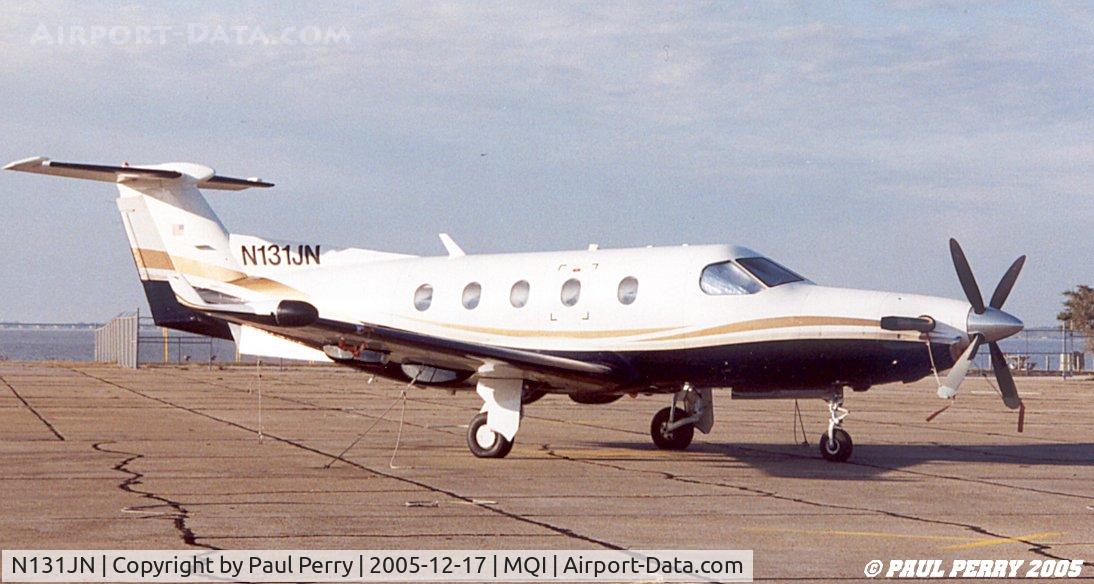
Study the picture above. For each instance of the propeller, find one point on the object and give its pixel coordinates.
(987, 324)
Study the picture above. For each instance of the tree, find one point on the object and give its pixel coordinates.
(1078, 312)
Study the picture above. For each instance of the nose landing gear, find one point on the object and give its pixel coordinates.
(668, 433)
(673, 428)
(835, 444)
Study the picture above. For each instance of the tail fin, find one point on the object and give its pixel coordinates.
(171, 228)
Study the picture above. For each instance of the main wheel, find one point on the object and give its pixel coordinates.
(839, 448)
(484, 442)
(677, 439)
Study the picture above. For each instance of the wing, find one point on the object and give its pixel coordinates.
(298, 321)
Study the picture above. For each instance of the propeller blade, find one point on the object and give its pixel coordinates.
(964, 275)
(1004, 377)
(1002, 290)
(948, 389)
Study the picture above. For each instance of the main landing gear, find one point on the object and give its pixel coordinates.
(835, 444)
(484, 442)
(673, 427)
(491, 432)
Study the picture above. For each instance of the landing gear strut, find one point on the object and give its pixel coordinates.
(673, 427)
(491, 432)
(835, 444)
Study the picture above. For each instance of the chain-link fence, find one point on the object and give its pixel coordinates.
(130, 339)
(117, 340)
(1045, 351)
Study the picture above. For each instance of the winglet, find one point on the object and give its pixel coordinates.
(454, 250)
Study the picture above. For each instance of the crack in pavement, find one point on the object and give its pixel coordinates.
(1037, 549)
(380, 535)
(179, 513)
(493, 509)
(32, 410)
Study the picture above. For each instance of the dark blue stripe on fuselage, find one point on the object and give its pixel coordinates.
(783, 364)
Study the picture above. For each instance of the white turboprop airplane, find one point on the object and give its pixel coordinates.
(594, 324)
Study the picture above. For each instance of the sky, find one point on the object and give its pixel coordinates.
(848, 141)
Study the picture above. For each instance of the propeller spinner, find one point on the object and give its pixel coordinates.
(987, 324)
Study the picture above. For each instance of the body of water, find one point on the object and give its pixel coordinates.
(79, 345)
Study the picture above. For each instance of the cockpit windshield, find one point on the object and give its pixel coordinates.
(727, 278)
(768, 272)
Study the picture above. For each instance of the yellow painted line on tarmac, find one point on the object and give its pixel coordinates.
(606, 453)
(1002, 540)
(877, 534)
(967, 542)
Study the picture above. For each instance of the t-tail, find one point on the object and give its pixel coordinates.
(172, 230)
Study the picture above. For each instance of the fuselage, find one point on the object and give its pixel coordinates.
(648, 309)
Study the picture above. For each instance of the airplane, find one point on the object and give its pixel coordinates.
(594, 324)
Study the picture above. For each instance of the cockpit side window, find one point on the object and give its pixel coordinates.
(769, 272)
(725, 278)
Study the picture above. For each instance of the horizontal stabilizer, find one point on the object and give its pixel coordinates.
(189, 297)
(202, 175)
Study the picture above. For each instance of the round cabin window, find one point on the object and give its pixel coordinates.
(471, 295)
(571, 292)
(423, 297)
(628, 290)
(518, 296)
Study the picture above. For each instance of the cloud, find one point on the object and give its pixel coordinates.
(791, 128)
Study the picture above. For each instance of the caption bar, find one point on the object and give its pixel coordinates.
(377, 565)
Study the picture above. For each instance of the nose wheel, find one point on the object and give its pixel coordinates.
(673, 427)
(836, 448)
(666, 434)
(836, 444)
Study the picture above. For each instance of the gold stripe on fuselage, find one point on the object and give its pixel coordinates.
(770, 323)
(746, 326)
(161, 260)
(565, 334)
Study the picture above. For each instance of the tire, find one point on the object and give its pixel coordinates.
(478, 439)
(679, 438)
(839, 449)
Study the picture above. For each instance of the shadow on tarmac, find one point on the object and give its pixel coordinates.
(868, 461)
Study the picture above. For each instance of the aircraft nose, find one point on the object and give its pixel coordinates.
(994, 324)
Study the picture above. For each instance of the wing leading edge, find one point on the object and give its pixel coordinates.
(287, 318)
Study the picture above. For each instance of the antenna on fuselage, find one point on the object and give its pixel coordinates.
(450, 245)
